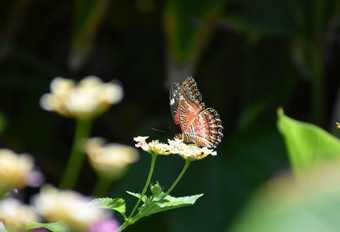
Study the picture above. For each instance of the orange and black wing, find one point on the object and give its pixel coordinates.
(207, 128)
(190, 103)
(198, 125)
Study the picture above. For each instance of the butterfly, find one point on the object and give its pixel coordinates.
(195, 123)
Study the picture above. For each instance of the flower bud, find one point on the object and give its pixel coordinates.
(156, 189)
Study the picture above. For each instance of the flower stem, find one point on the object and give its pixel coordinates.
(3, 192)
(102, 186)
(129, 221)
(140, 215)
(186, 165)
(73, 168)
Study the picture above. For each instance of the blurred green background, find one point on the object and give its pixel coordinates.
(249, 57)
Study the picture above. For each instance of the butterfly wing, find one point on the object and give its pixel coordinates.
(206, 128)
(174, 104)
(197, 125)
(190, 103)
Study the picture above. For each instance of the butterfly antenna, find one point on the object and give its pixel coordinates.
(158, 130)
(170, 131)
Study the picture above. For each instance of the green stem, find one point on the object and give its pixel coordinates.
(140, 215)
(129, 221)
(73, 168)
(102, 186)
(187, 163)
(3, 192)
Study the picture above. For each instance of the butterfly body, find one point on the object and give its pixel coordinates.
(196, 123)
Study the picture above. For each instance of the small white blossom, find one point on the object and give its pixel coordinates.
(141, 142)
(110, 159)
(90, 98)
(69, 207)
(160, 148)
(154, 146)
(15, 215)
(16, 171)
(176, 146)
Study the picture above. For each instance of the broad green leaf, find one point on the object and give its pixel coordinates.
(285, 204)
(117, 204)
(54, 227)
(307, 144)
(168, 203)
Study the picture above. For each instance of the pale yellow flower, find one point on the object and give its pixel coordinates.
(69, 207)
(191, 151)
(176, 146)
(16, 171)
(87, 99)
(15, 215)
(160, 148)
(153, 147)
(110, 160)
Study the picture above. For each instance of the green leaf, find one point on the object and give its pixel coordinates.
(305, 204)
(285, 204)
(117, 204)
(137, 195)
(54, 227)
(307, 144)
(168, 203)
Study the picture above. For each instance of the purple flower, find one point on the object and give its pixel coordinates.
(106, 225)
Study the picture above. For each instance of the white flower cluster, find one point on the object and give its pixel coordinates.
(76, 211)
(69, 207)
(15, 215)
(89, 98)
(110, 160)
(176, 146)
(17, 171)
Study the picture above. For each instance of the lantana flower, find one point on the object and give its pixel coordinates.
(73, 209)
(176, 146)
(154, 146)
(87, 99)
(110, 160)
(17, 171)
(15, 215)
